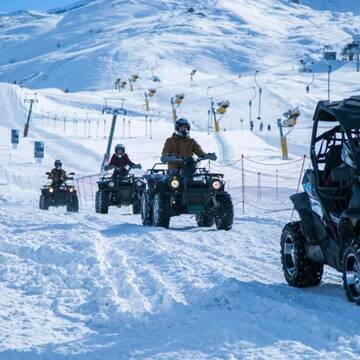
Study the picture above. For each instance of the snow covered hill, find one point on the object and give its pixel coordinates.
(89, 286)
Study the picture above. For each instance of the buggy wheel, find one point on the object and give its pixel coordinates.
(73, 204)
(43, 203)
(299, 270)
(205, 220)
(101, 202)
(161, 211)
(136, 206)
(225, 213)
(146, 209)
(351, 271)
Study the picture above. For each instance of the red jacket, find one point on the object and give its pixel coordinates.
(121, 162)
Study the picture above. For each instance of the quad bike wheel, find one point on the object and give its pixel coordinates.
(351, 271)
(73, 204)
(146, 209)
(136, 206)
(299, 270)
(43, 203)
(161, 211)
(101, 203)
(204, 220)
(225, 213)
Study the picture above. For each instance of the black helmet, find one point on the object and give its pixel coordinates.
(58, 164)
(120, 147)
(178, 124)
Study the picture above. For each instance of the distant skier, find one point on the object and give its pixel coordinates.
(269, 127)
(120, 162)
(261, 128)
(251, 125)
(57, 174)
(181, 145)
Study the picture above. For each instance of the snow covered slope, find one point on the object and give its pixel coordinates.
(89, 45)
(87, 286)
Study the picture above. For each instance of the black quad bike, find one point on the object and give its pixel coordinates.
(116, 190)
(59, 194)
(192, 190)
(328, 232)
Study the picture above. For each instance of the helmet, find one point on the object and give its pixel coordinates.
(58, 164)
(347, 156)
(120, 147)
(178, 124)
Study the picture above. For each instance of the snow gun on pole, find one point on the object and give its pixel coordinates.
(289, 123)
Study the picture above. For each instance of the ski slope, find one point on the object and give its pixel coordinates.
(90, 286)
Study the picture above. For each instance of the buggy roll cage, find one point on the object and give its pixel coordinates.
(346, 114)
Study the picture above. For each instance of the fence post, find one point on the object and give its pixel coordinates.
(259, 186)
(129, 124)
(277, 184)
(104, 128)
(243, 183)
(150, 121)
(123, 129)
(146, 125)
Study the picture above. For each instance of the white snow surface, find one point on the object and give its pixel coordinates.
(89, 286)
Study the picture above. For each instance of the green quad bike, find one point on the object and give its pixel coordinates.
(116, 190)
(59, 194)
(328, 232)
(191, 190)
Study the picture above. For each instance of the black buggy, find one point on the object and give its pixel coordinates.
(116, 190)
(328, 232)
(59, 193)
(192, 190)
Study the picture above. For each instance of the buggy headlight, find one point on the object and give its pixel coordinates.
(216, 185)
(51, 190)
(175, 183)
(111, 184)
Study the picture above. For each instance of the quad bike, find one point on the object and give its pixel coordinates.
(59, 194)
(328, 232)
(192, 190)
(116, 190)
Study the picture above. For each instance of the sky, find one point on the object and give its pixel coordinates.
(13, 5)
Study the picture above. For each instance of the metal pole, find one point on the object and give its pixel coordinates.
(243, 183)
(112, 130)
(329, 72)
(27, 125)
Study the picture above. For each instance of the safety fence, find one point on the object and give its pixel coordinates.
(93, 126)
(262, 186)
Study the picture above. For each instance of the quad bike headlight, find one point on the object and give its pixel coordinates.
(216, 185)
(71, 189)
(175, 183)
(51, 190)
(139, 183)
(111, 184)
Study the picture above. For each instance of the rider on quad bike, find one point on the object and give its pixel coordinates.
(181, 145)
(57, 174)
(120, 162)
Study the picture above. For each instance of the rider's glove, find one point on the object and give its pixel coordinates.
(137, 166)
(169, 158)
(210, 156)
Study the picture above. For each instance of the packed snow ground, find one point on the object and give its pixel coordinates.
(89, 286)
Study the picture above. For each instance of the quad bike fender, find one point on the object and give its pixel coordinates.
(311, 224)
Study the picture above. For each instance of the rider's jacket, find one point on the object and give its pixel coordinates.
(57, 176)
(182, 147)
